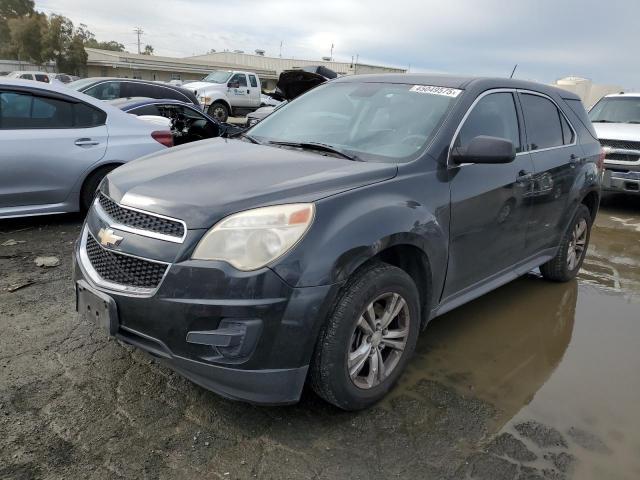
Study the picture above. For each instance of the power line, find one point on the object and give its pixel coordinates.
(139, 32)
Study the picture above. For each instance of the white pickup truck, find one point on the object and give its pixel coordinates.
(227, 92)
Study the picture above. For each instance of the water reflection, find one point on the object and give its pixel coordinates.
(500, 348)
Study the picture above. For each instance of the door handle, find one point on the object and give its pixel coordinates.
(86, 142)
(524, 177)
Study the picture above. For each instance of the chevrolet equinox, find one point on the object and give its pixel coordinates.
(316, 246)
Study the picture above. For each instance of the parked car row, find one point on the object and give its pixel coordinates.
(45, 77)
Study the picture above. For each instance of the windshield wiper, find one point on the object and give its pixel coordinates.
(633, 121)
(245, 135)
(322, 147)
(603, 121)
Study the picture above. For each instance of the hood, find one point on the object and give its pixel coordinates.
(618, 131)
(293, 83)
(205, 181)
(198, 86)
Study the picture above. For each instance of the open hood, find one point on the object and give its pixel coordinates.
(293, 83)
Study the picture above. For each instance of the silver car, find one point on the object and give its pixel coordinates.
(57, 145)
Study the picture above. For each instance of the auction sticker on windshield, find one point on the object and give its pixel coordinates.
(447, 92)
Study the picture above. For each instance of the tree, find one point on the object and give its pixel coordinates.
(148, 50)
(11, 9)
(26, 36)
(110, 45)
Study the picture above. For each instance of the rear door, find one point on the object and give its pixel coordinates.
(556, 155)
(239, 94)
(254, 91)
(489, 208)
(47, 143)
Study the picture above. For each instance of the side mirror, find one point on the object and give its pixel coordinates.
(485, 149)
(233, 84)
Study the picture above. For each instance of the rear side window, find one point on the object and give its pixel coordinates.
(578, 108)
(105, 91)
(86, 116)
(494, 115)
(42, 78)
(253, 81)
(146, 110)
(24, 111)
(567, 133)
(26, 76)
(542, 118)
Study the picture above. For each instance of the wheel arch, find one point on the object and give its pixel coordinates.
(222, 100)
(592, 201)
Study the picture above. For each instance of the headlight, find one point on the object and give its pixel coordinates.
(205, 100)
(250, 240)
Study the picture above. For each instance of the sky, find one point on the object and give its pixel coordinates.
(596, 39)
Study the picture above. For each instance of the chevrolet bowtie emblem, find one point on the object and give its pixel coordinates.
(108, 238)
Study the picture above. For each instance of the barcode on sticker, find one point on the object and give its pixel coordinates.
(447, 92)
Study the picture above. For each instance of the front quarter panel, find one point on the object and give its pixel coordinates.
(352, 227)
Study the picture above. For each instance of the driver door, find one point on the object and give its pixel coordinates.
(490, 203)
(239, 96)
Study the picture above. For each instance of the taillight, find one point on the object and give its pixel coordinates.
(164, 137)
(600, 163)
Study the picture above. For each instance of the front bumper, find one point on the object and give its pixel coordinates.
(243, 335)
(621, 180)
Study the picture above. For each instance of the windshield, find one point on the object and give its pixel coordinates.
(372, 121)
(616, 110)
(79, 84)
(217, 76)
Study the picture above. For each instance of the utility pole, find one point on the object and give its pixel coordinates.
(280, 48)
(331, 55)
(139, 32)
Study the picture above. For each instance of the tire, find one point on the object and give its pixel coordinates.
(562, 267)
(219, 111)
(342, 337)
(91, 184)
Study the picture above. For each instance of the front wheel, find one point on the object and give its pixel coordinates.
(366, 343)
(573, 248)
(219, 111)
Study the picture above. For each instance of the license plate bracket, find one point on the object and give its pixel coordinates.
(97, 307)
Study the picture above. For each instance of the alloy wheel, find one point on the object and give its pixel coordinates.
(378, 340)
(577, 244)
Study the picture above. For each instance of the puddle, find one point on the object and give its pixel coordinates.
(566, 356)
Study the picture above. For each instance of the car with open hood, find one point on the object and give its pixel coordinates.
(315, 247)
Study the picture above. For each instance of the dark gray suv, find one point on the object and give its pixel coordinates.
(315, 248)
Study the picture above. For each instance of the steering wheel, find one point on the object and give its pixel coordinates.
(414, 139)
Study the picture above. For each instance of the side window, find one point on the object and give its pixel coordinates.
(541, 116)
(495, 116)
(253, 81)
(26, 76)
(19, 111)
(42, 78)
(240, 78)
(146, 110)
(567, 132)
(104, 91)
(86, 116)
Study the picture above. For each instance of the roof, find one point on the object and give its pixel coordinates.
(134, 61)
(459, 82)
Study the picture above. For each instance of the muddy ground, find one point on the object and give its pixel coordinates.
(533, 381)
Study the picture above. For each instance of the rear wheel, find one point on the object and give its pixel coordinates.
(219, 111)
(573, 248)
(367, 341)
(91, 184)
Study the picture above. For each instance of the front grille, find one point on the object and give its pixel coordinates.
(123, 269)
(624, 144)
(139, 220)
(620, 157)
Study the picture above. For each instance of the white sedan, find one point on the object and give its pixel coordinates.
(56, 146)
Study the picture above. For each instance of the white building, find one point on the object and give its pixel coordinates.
(588, 91)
